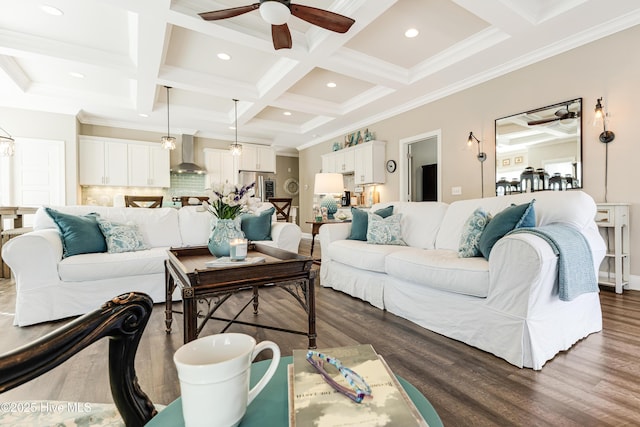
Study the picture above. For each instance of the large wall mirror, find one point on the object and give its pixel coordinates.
(540, 149)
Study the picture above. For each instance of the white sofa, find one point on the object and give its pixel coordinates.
(508, 305)
(50, 287)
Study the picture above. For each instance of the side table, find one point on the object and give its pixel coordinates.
(615, 216)
(315, 229)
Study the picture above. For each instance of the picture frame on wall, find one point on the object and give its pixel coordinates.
(506, 162)
(518, 160)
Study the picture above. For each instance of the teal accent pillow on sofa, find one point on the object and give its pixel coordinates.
(360, 222)
(503, 222)
(80, 234)
(257, 227)
(121, 237)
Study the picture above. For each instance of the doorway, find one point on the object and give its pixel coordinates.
(34, 176)
(419, 171)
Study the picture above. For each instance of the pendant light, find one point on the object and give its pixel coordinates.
(7, 144)
(235, 148)
(168, 142)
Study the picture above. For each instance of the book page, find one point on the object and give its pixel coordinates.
(318, 404)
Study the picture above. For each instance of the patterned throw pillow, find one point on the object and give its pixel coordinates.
(471, 232)
(385, 231)
(121, 237)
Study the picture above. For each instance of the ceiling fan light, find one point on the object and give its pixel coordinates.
(274, 12)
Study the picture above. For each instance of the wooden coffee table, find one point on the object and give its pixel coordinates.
(212, 287)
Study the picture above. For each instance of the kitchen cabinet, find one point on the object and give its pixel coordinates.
(221, 166)
(257, 158)
(148, 165)
(365, 161)
(369, 163)
(103, 162)
(613, 222)
(341, 161)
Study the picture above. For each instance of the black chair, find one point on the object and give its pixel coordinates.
(123, 320)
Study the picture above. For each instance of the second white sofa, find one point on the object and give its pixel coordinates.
(50, 287)
(508, 305)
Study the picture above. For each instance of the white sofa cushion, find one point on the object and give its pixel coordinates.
(88, 267)
(159, 226)
(570, 207)
(195, 225)
(420, 221)
(362, 255)
(440, 269)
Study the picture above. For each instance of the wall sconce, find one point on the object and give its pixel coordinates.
(482, 156)
(7, 144)
(607, 136)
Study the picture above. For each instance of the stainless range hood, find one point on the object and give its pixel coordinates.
(187, 165)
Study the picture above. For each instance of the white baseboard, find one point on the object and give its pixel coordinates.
(634, 282)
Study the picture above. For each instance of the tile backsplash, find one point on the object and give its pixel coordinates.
(181, 185)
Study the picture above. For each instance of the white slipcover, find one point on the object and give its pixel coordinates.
(508, 305)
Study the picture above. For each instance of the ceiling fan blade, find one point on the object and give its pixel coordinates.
(322, 18)
(281, 36)
(543, 121)
(228, 13)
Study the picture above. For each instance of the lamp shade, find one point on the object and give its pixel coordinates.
(328, 183)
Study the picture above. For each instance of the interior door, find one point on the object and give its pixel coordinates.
(38, 173)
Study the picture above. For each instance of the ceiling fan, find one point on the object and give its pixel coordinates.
(561, 114)
(277, 13)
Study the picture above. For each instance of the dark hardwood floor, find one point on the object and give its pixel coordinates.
(596, 383)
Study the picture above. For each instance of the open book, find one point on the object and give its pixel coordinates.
(313, 402)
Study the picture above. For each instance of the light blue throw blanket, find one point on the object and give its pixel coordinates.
(576, 274)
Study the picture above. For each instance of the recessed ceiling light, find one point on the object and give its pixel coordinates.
(411, 33)
(76, 75)
(53, 11)
(224, 56)
(143, 115)
(331, 84)
(232, 127)
(287, 113)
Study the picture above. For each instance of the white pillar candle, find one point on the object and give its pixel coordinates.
(238, 249)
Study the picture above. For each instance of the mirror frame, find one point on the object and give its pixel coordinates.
(562, 182)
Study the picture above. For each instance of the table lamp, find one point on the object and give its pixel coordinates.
(329, 184)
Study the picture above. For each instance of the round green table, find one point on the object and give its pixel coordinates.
(271, 408)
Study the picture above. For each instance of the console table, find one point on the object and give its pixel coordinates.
(615, 217)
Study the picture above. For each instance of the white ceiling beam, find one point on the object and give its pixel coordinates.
(14, 73)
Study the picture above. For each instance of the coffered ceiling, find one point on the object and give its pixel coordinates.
(127, 50)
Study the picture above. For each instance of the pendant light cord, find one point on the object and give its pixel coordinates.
(168, 127)
(236, 114)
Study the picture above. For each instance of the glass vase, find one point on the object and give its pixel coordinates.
(223, 231)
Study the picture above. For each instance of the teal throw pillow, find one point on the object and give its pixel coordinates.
(471, 233)
(121, 237)
(257, 227)
(360, 221)
(503, 222)
(80, 234)
(385, 231)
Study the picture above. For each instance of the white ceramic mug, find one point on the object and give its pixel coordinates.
(214, 378)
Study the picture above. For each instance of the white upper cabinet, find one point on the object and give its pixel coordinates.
(222, 167)
(365, 161)
(103, 162)
(257, 158)
(148, 165)
(123, 163)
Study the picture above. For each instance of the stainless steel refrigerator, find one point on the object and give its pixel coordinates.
(265, 183)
